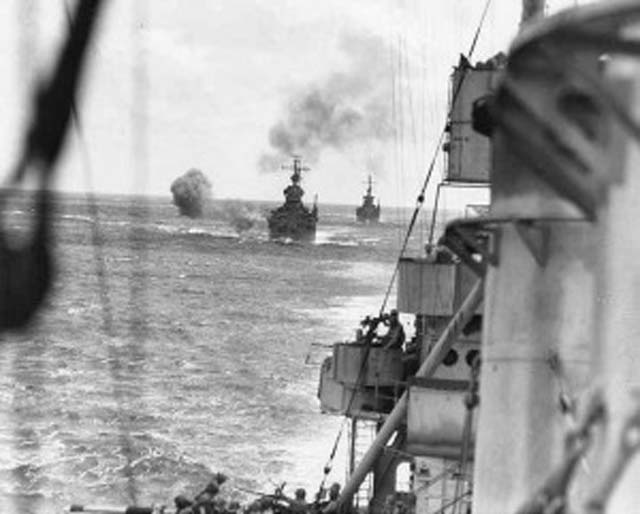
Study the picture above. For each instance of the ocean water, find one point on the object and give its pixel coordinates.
(173, 348)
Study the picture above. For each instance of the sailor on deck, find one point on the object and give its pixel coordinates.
(394, 338)
(332, 506)
(299, 504)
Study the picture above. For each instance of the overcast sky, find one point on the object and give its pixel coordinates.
(201, 83)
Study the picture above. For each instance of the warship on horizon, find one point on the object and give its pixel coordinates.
(368, 212)
(293, 219)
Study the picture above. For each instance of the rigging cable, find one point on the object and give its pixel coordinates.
(125, 363)
(412, 114)
(46, 135)
(423, 111)
(138, 208)
(107, 312)
(28, 271)
(107, 315)
(96, 228)
(97, 236)
(114, 366)
(434, 213)
(400, 127)
(411, 106)
(423, 189)
(394, 111)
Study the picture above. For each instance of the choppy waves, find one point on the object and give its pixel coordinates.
(189, 358)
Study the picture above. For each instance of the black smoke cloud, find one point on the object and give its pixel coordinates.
(348, 109)
(191, 192)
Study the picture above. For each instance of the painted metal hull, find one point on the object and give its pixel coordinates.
(368, 213)
(297, 223)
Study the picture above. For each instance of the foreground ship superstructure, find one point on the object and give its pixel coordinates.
(368, 212)
(549, 421)
(293, 220)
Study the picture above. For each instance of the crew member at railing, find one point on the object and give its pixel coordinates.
(299, 504)
(395, 337)
(331, 507)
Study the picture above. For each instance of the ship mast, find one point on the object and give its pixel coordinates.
(297, 169)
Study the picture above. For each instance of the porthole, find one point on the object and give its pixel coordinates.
(471, 356)
(451, 358)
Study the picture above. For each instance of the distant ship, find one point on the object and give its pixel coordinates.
(368, 212)
(292, 219)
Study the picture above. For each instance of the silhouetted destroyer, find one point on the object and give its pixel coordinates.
(292, 219)
(368, 212)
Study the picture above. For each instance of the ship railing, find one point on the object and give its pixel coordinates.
(382, 395)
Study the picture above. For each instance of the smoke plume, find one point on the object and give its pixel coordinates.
(346, 110)
(241, 217)
(191, 192)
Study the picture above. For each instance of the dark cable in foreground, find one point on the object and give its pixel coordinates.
(26, 272)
